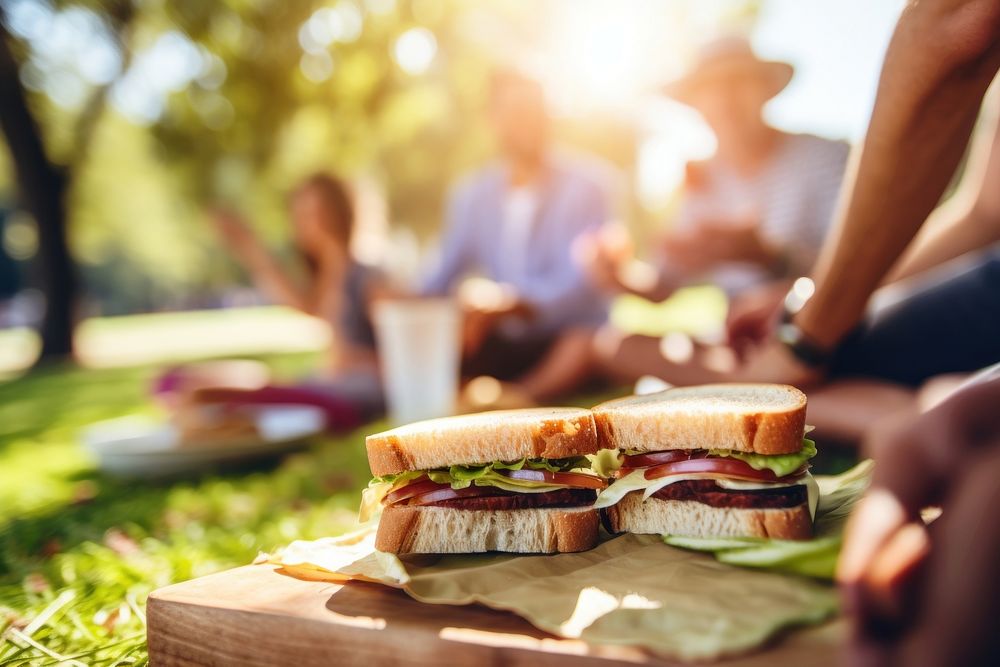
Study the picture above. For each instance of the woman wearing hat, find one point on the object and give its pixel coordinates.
(751, 216)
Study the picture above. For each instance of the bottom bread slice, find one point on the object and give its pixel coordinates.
(693, 519)
(443, 530)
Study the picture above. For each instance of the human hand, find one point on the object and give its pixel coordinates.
(711, 242)
(688, 251)
(736, 242)
(603, 254)
(772, 361)
(930, 595)
(753, 316)
(485, 304)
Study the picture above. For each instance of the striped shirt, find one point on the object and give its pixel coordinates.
(793, 197)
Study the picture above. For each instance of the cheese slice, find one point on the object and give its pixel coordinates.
(636, 481)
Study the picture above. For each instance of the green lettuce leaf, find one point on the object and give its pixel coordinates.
(779, 464)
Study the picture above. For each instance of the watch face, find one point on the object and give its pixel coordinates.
(789, 334)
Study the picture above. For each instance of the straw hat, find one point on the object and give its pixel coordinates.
(718, 59)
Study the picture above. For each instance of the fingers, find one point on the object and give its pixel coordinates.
(890, 565)
(749, 327)
(872, 524)
(891, 577)
(960, 607)
(914, 455)
(879, 550)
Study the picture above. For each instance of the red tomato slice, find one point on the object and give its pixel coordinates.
(723, 466)
(572, 479)
(448, 493)
(657, 458)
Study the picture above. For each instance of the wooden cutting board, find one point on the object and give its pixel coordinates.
(254, 615)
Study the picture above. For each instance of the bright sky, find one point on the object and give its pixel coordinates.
(837, 49)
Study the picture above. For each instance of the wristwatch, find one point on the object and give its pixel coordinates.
(802, 347)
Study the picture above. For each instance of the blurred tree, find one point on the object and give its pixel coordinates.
(43, 183)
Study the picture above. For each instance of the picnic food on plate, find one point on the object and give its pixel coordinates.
(510, 480)
(202, 423)
(724, 460)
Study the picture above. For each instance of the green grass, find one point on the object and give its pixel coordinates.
(132, 340)
(79, 552)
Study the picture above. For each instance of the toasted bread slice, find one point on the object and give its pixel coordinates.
(760, 418)
(484, 437)
(443, 530)
(693, 519)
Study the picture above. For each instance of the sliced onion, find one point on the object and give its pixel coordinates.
(722, 466)
(449, 493)
(571, 479)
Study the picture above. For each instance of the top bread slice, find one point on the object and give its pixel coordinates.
(484, 437)
(758, 418)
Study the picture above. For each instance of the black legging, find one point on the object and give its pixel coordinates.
(949, 327)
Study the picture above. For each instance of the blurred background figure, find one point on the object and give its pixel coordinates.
(514, 223)
(928, 594)
(323, 280)
(751, 217)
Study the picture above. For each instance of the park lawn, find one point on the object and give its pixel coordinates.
(79, 552)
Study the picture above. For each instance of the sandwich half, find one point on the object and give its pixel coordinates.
(723, 460)
(512, 480)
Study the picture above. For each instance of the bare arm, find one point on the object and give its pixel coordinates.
(970, 220)
(940, 62)
(265, 271)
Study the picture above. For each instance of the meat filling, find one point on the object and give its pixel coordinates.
(708, 492)
(519, 501)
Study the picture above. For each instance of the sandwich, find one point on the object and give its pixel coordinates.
(723, 460)
(511, 480)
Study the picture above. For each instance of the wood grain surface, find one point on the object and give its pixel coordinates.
(254, 615)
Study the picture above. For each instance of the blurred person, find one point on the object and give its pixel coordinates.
(929, 595)
(330, 284)
(751, 218)
(514, 222)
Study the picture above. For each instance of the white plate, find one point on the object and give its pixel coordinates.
(141, 447)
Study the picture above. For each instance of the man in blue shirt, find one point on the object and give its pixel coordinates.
(514, 223)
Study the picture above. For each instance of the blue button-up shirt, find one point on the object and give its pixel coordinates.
(573, 197)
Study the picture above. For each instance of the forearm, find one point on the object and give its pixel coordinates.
(936, 72)
(272, 279)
